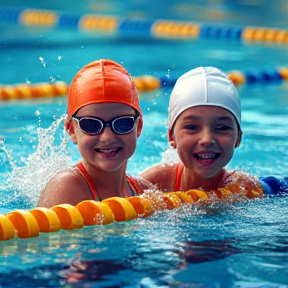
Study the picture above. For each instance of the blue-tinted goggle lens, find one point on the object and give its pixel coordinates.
(119, 125)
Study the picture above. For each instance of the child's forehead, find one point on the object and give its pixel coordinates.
(106, 108)
(204, 111)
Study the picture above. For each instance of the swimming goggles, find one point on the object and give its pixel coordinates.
(119, 125)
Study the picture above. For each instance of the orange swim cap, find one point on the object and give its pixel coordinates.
(102, 81)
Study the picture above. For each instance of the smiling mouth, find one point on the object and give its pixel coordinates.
(108, 151)
(206, 156)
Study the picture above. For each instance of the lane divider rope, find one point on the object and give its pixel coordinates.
(28, 91)
(112, 25)
(144, 83)
(23, 224)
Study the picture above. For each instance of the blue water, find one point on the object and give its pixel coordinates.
(240, 245)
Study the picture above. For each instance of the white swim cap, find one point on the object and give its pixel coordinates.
(204, 86)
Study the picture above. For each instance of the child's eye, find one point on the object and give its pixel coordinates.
(223, 128)
(191, 127)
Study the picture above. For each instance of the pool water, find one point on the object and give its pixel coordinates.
(221, 245)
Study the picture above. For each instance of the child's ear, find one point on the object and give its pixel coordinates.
(238, 142)
(139, 127)
(171, 139)
(70, 129)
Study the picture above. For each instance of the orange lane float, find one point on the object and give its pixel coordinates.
(69, 216)
(31, 91)
(142, 206)
(172, 201)
(184, 197)
(47, 219)
(95, 213)
(122, 209)
(26, 224)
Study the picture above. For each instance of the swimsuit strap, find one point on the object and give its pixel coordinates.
(133, 185)
(131, 182)
(179, 172)
(85, 174)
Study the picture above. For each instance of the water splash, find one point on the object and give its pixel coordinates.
(24, 184)
(170, 156)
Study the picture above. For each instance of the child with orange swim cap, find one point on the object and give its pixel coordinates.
(104, 120)
(205, 128)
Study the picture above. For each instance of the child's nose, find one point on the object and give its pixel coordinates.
(207, 137)
(107, 135)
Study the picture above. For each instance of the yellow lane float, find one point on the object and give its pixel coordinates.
(26, 224)
(95, 213)
(32, 91)
(69, 216)
(122, 209)
(6, 228)
(142, 206)
(47, 219)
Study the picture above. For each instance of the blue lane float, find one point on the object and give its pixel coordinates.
(68, 21)
(133, 27)
(221, 32)
(273, 185)
(262, 76)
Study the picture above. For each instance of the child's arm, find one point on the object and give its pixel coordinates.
(254, 187)
(239, 181)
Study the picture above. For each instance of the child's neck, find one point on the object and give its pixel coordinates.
(110, 183)
(193, 181)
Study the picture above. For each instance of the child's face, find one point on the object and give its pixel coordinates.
(106, 151)
(205, 138)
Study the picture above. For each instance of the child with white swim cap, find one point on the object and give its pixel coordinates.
(205, 128)
(104, 120)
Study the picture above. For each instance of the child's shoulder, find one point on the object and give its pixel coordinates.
(67, 186)
(162, 175)
(68, 176)
(142, 184)
(238, 176)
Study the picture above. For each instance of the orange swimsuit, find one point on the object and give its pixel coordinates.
(132, 183)
(179, 171)
(252, 187)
